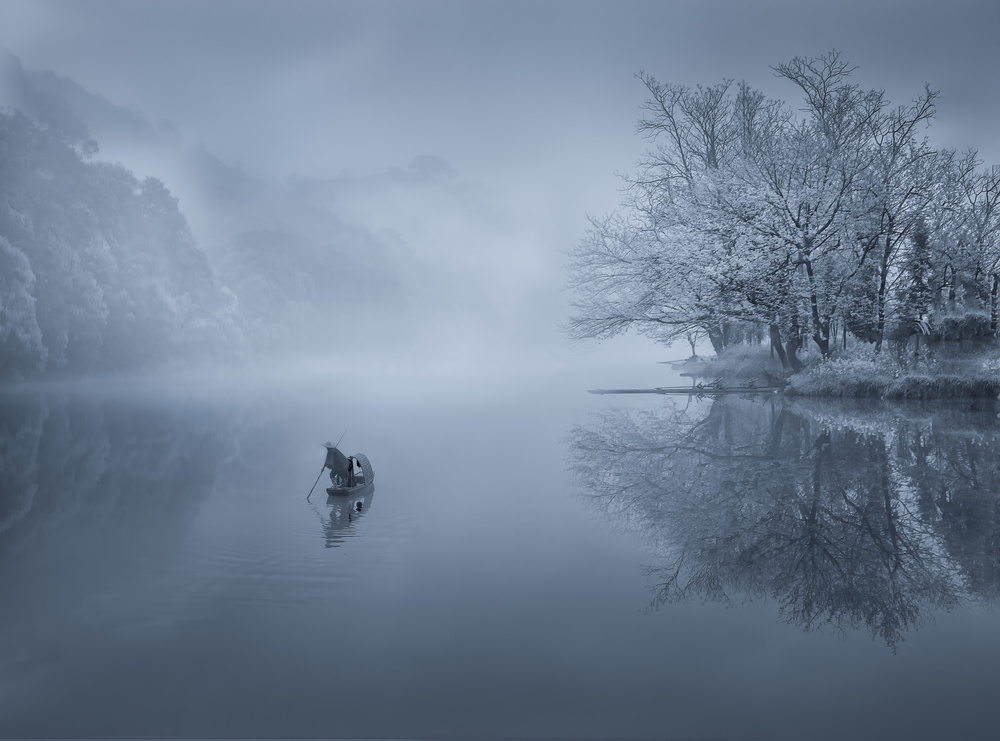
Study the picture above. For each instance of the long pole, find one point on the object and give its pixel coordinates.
(323, 469)
(315, 482)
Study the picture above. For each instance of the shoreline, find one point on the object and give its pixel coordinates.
(856, 376)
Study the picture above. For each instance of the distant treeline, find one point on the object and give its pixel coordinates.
(97, 269)
(103, 271)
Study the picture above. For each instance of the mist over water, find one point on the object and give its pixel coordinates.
(165, 574)
(127, 249)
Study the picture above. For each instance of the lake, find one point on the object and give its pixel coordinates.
(534, 561)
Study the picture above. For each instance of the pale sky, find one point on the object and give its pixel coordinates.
(494, 87)
(535, 102)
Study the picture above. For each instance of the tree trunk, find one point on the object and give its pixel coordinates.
(776, 347)
(821, 328)
(717, 339)
(777, 426)
(792, 347)
(882, 282)
(993, 303)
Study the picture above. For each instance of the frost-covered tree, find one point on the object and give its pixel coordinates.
(901, 181)
(747, 211)
(676, 259)
(811, 183)
(916, 296)
(981, 232)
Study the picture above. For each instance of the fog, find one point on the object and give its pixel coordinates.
(231, 230)
(408, 177)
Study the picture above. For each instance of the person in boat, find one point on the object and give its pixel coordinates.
(341, 466)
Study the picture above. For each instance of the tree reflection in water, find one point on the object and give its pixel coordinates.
(99, 472)
(867, 516)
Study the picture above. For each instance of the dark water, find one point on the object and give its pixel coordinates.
(535, 562)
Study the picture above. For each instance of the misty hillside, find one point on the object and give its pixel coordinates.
(98, 270)
(179, 258)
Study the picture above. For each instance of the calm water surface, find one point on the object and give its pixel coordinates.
(535, 562)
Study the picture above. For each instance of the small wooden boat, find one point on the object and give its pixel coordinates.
(364, 481)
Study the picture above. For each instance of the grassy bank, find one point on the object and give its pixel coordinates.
(861, 373)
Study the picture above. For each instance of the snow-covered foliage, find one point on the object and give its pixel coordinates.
(751, 215)
(863, 373)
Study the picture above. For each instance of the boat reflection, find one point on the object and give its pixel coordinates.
(864, 516)
(343, 515)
